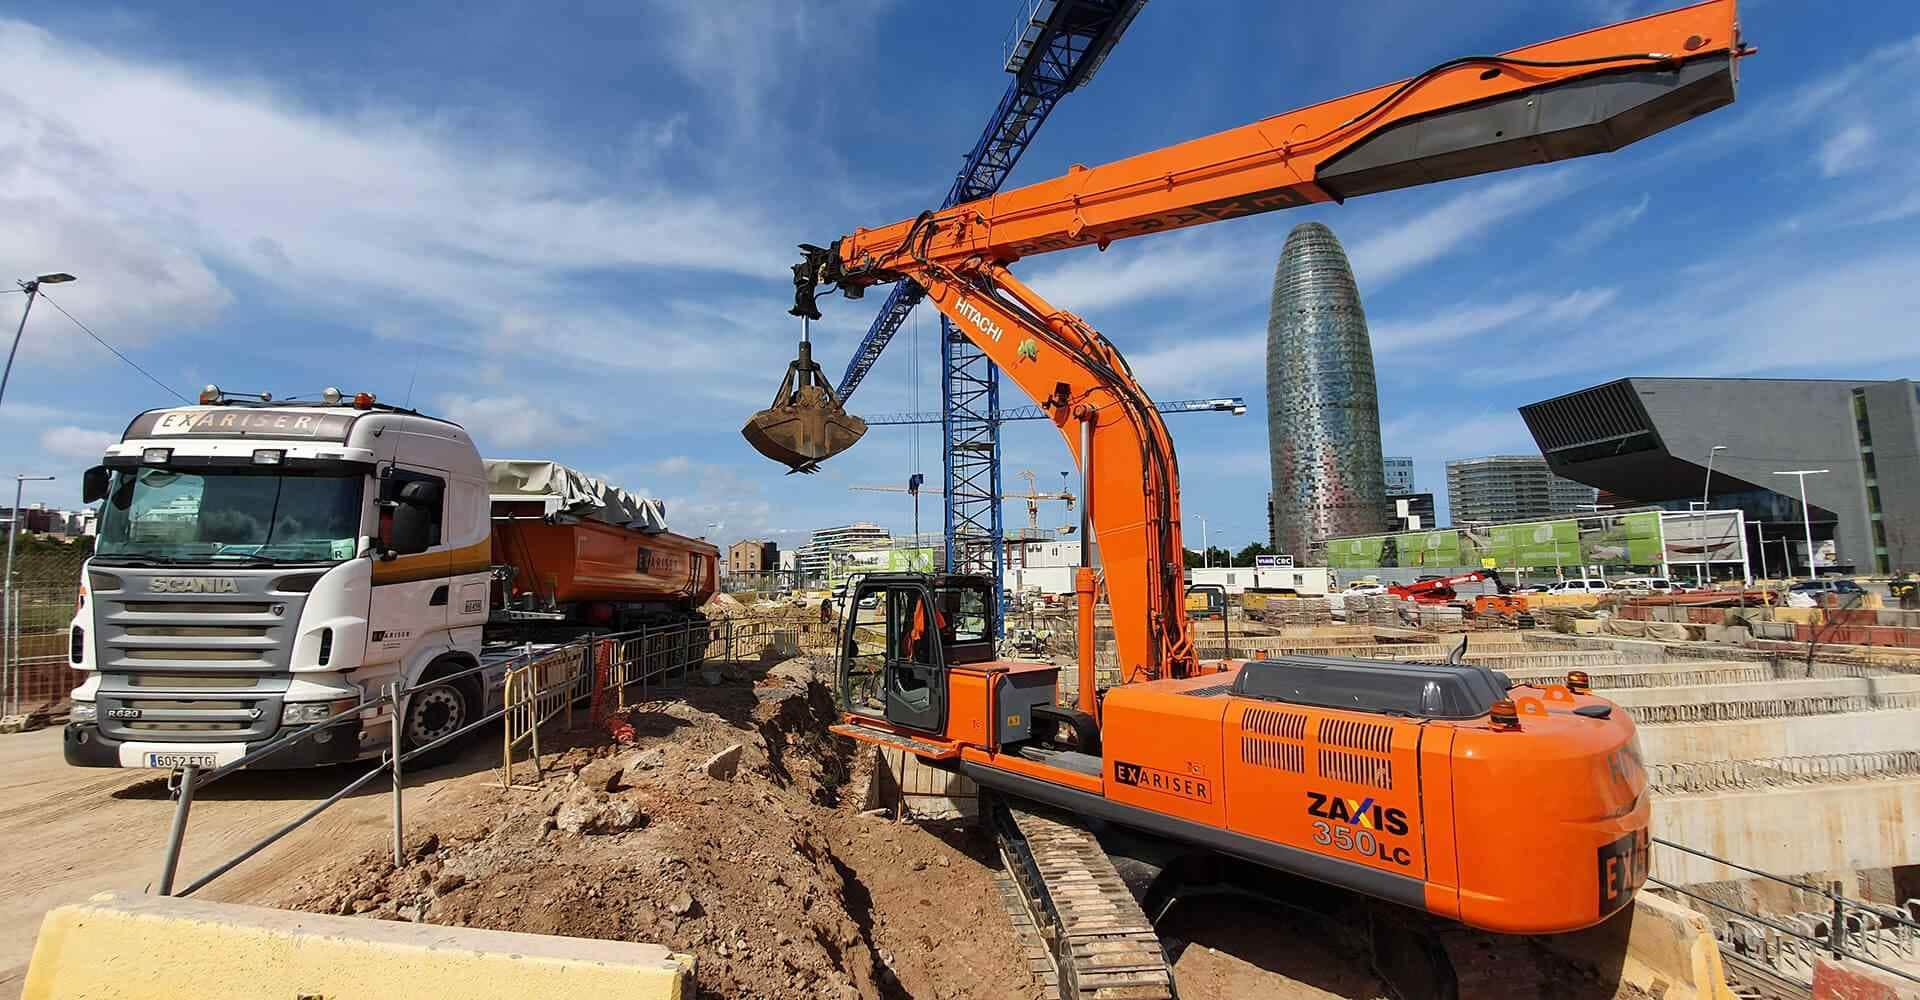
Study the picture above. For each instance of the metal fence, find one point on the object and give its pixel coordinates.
(1788, 945)
(35, 675)
(541, 685)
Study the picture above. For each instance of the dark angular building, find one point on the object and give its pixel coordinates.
(1323, 409)
(1651, 439)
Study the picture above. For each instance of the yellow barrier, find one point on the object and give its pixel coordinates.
(116, 947)
(536, 692)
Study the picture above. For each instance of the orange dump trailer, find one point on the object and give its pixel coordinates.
(570, 548)
(587, 561)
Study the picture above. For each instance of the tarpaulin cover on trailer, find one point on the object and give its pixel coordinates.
(580, 495)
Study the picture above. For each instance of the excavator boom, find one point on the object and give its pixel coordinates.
(1591, 92)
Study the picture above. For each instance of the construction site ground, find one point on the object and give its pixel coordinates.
(762, 861)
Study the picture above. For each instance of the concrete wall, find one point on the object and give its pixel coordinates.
(1889, 688)
(1860, 732)
(1789, 830)
(1894, 413)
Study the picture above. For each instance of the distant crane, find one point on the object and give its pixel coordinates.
(1032, 497)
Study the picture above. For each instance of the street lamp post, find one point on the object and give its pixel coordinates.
(1206, 546)
(1760, 532)
(1806, 519)
(7, 641)
(32, 288)
(1699, 535)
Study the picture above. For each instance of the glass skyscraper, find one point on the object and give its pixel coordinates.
(1323, 409)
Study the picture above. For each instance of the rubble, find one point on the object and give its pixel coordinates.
(722, 765)
(768, 875)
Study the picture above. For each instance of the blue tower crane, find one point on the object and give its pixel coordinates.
(1055, 47)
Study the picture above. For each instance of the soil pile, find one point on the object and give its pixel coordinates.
(729, 830)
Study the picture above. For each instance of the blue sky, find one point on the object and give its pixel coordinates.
(569, 227)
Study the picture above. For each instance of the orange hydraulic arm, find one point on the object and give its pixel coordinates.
(1586, 93)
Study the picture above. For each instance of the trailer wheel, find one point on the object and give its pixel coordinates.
(433, 712)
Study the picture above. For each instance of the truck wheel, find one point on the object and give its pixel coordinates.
(433, 712)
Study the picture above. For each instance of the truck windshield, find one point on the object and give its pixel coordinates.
(220, 515)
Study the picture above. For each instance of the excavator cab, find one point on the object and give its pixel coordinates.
(903, 630)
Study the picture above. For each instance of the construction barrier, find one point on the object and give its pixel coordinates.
(537, 692)
(115, 947)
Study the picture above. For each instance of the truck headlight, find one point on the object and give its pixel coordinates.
(308, 713)
(83, 711)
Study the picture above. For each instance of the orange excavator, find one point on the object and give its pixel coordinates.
(1411, 783)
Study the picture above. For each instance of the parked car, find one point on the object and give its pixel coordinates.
(1591, 585)
(1845, 589)
(1649, 585)
(1365, 590)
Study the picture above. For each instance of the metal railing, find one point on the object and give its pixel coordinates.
(1845, 928)
(35, 675)
(540, 686)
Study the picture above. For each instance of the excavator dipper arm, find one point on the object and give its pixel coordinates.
(1117, 438)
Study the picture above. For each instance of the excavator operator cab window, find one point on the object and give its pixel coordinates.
(966, 605)
(891, 662)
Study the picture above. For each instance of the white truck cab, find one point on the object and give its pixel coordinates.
(262, 566)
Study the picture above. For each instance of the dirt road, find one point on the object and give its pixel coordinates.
(67, 833)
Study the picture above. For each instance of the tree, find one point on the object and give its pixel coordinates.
(1196, 559)
(1244, 557)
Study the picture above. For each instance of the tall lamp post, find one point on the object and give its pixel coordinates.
(32, 288)
(7, 600)
(1699, 535)
(1806, 519)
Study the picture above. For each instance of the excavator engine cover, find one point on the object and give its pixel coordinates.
(806, 424)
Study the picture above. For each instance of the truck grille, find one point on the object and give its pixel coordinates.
(175, 667)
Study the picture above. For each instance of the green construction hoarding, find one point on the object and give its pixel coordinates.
(1605, 540)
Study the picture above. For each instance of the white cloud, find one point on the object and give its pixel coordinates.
(1846, 315)
(1179, 265)
(76, 443)
(516, 421)
(1409, 243)
(1198, 363)
(1469, 319)
(146, 180)
(1602, 227)
(1446, 435)
(1846, 150)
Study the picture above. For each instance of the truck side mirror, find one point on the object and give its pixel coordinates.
(408, 530)
(93, 485)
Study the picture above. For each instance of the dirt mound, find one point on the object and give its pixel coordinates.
(724, 831)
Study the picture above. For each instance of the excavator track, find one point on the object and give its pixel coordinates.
(1101, 944)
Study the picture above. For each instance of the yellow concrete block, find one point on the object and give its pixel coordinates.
(1657, 945)
(128, 946)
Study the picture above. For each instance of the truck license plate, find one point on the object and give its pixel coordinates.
(181, 760)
